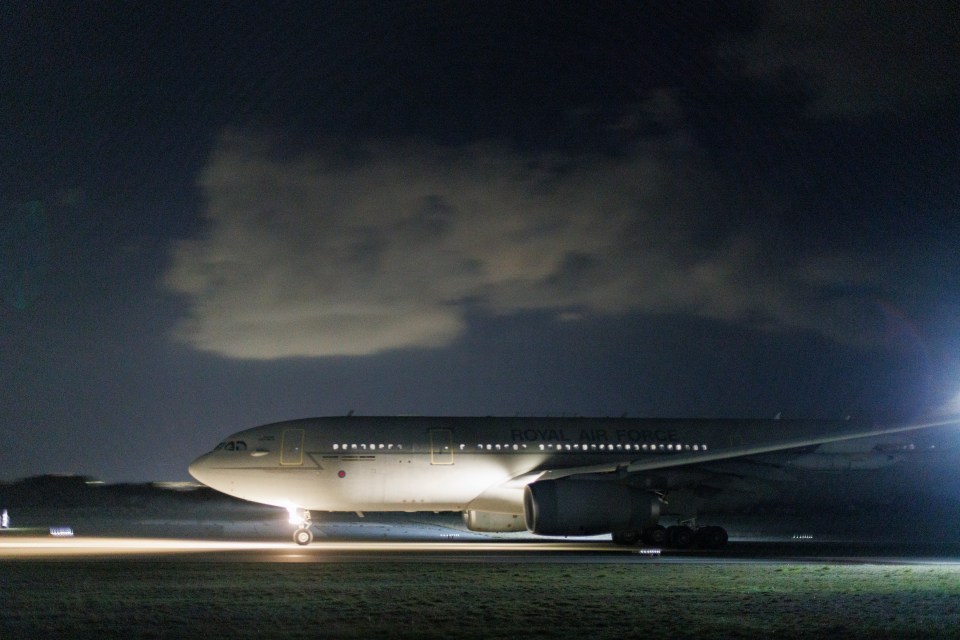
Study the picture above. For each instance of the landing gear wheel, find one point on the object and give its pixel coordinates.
(626, 537)
(679, 537)
(303, 537)
(655, 536)
(711, 537)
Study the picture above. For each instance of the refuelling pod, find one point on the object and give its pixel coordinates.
(488, 521)
(587, 507)
(839, 462)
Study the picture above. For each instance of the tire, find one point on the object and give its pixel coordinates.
(680, 537)
(655, 536)
(626, 537)
(711, 537)
(303, 537)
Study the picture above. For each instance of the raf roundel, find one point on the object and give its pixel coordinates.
(341, 474)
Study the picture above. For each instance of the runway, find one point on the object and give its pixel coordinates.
(112, 587)
(37, 547)
(555, 551)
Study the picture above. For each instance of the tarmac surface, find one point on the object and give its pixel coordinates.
(106, 587)
(53, 548)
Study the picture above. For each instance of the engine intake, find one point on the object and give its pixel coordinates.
(587, 507)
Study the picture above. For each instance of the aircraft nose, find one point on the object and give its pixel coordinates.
(197, 469)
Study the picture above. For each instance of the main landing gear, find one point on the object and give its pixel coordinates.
(675, 537)
(302, 536)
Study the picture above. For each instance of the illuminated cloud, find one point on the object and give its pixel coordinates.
(857, 58)
(351, 252)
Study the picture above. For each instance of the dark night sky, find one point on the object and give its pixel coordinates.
(219, 215)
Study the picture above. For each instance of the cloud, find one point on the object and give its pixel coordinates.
(384, 246)
(857, 58)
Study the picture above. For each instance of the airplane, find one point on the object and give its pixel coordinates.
(550, 476)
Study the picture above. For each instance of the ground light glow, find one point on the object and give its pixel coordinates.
(40, 547)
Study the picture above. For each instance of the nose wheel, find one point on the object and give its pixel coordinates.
(303, 536)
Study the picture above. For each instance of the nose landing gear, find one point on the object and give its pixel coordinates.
(301, 517)
(303, 536)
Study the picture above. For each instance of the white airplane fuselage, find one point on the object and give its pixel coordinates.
(460, 464)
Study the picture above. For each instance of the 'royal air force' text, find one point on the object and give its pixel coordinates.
(594, 435)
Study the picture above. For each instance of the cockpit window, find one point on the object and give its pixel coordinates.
(232, 445)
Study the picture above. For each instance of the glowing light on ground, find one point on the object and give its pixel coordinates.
(34, 547)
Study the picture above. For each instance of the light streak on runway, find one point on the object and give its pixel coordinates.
(50, 547)
(34, 547)
(537, 552)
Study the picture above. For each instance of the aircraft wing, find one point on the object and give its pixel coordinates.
(744, 469)
(787, 442)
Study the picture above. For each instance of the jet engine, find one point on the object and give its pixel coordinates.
(488, 521)
(587, 507)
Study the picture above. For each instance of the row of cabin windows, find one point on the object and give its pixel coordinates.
(673, 447)
(367, 447)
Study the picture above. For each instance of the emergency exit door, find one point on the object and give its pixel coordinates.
(441, 446)
(291, 448)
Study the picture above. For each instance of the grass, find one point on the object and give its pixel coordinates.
(410, 600)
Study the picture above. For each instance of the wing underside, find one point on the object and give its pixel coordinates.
(743, 473)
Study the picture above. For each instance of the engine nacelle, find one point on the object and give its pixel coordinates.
(488, 521)
(587, 507)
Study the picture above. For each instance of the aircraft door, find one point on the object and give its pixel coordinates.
(441, 446)
(291, 448)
